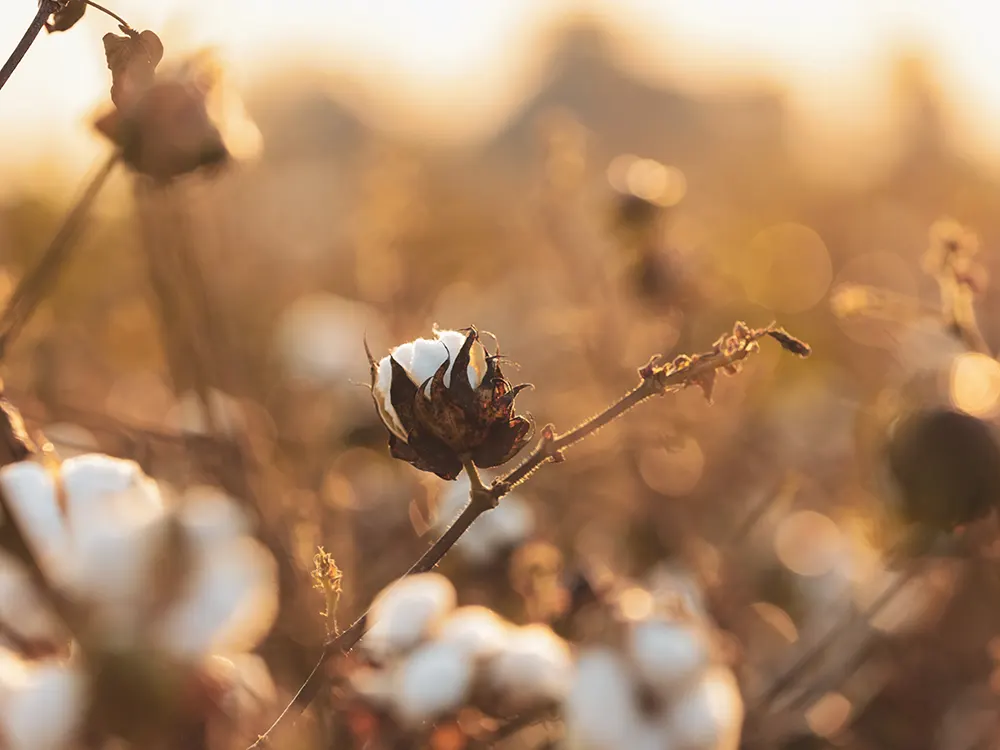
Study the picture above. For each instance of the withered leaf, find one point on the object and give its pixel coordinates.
(132, 60)
(65, 18)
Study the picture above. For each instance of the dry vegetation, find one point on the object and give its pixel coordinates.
(821, 531)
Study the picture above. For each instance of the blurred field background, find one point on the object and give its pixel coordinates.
(469, 163)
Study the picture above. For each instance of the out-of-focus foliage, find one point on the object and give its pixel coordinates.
(773, 506)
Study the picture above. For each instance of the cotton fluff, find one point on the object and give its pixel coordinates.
(421, 359)
(668, 655)
(600, 709)
(405, 613)
(110, 540)
(504, 527)
(476, 631)
(532, 669)
(709, 716)
(42, 704)
(435, 680)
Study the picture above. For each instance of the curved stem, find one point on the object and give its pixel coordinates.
(104, 10)
(45, 9)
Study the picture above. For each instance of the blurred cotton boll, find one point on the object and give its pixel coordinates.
(600, 710)
(320, 338)
(42, 704)
(434, 681)
(709, 716)
(184, 581)
(494, 532)
(405, 613)
(533, 669)
(668, 656)
(477, 631)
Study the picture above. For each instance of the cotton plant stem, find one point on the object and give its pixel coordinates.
(45, 9)
(655, 380)
(38, 282)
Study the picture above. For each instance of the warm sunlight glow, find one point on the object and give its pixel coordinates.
(975, 384)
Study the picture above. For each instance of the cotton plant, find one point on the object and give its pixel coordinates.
(427, 659)
(149, 602)
(656, 679)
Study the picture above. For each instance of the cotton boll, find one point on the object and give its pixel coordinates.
(668, 655)
(430, 354)
(406, 612)
(247, 687)
(41, 706)
(600, 710)
(477, 631)
(228, 603)
(31, 495)
(532, 669)
(377, 686)
(434, 681)
(710, 715)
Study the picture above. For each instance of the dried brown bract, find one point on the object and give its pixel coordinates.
(446, 401)
(132, 60)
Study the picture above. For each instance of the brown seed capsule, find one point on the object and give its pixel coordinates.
(445, 398)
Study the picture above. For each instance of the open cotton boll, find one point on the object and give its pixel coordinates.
(41, 705)
(405, 613)
(477, 631)
(430, 354)
(600, 710)
(710, 715)
(668, 656)
(435, 680)
(31, 495)
(534, 668)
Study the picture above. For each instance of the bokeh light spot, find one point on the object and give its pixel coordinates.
(808, 543)
(786, 268)
(828, 715)
(975, 384)
(673, 472)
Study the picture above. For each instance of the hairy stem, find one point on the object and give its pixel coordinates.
(45, 9)
(37, 283)
(104, 10)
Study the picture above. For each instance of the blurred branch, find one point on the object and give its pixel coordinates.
(37, 283)
(683, 371)
(45, 9)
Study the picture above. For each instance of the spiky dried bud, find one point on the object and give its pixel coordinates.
(444, 399)
(789, 343)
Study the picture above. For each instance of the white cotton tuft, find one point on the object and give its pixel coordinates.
(41, 706)
(534, 668)
(407, 612)
(31, 495)
(668, 656)
(600, 710)
(433, 681)
(477, 631)
(710, 715)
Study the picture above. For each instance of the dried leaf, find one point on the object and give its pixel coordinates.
(66, 16)
(132, 60)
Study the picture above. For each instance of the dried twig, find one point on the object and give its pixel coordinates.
(45, 9)
(684, 371)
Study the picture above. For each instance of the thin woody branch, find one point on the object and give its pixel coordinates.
(684, 371)
(45, 9)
